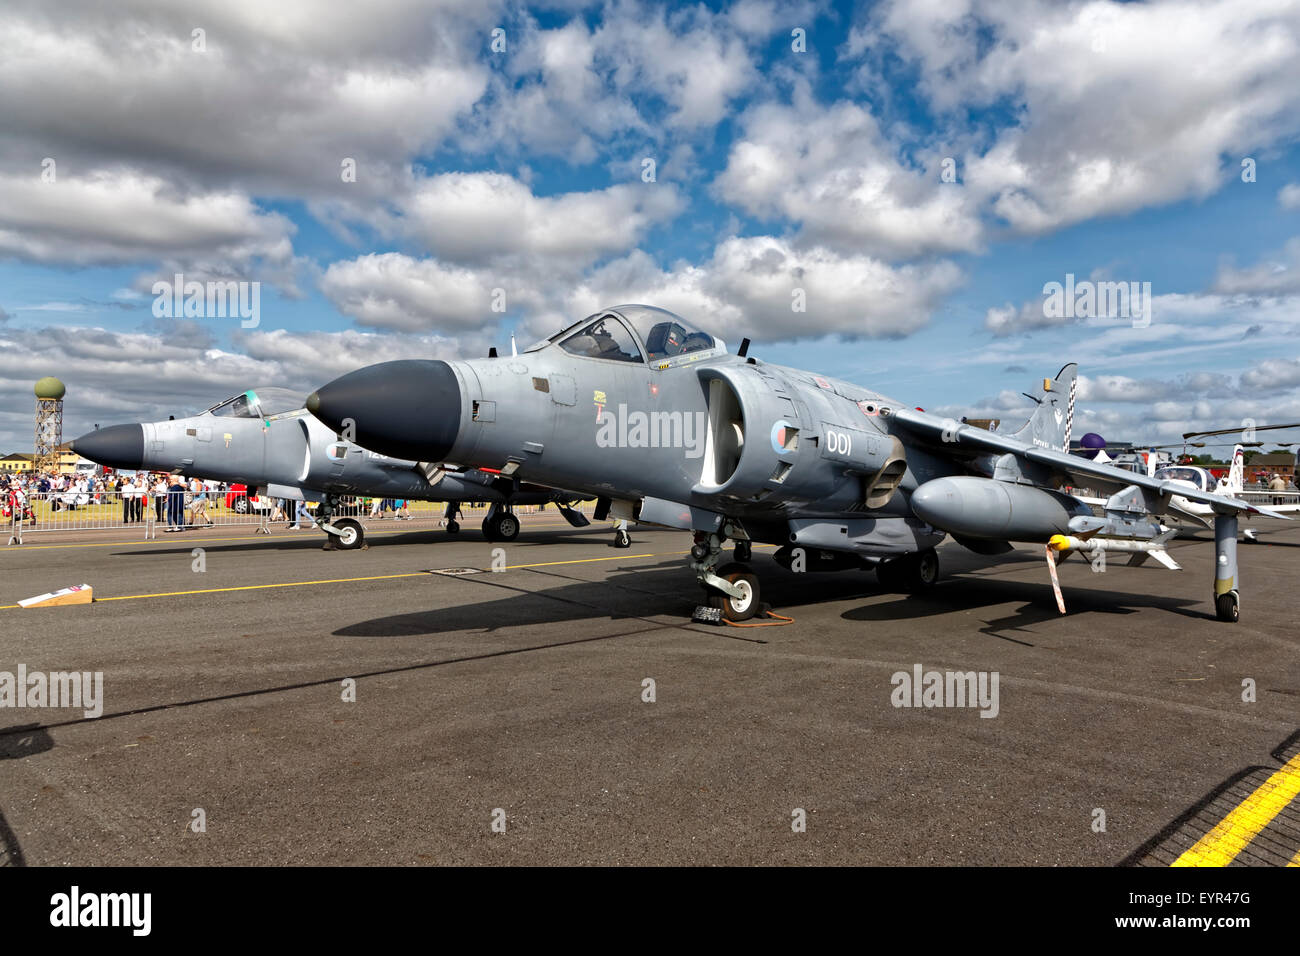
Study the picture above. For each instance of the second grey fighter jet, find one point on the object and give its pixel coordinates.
(654, 416)
(265, 439)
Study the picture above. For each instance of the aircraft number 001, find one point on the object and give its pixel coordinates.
(839, 443)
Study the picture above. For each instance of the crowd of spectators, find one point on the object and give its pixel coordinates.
(178, 502)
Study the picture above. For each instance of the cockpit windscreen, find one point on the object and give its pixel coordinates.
(1192, 475)
(665, 333)
(259, 403)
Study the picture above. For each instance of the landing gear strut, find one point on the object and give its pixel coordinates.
(453, 509)
(733, 589)
(621, 538)
(345, 534)
(912, 572)
(1227, 598)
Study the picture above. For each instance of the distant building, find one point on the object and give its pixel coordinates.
(1277, 463)
(17, 462)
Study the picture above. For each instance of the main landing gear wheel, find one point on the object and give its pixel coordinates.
(912, 572)
(501, 527)
(744, 551)
(350, 534)
(1227, 607)
(453, 526)
(736, 608)
(622, 539)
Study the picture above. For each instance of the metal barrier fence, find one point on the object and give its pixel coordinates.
(114, 510)
(1266, 498)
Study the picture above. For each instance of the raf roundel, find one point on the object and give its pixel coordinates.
(780, 438)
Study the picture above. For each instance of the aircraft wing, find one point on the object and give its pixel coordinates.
(944, 432)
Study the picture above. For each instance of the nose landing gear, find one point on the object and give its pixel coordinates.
(733, 589)
(344, 534)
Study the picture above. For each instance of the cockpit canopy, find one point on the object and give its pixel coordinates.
(632, 333)
(1194, 476)
(259, 403)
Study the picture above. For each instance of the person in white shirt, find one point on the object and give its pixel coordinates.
(160, 500)
(127, 490)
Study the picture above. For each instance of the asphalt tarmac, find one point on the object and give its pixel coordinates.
(503, 716)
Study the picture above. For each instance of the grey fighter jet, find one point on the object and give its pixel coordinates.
(638, 407)
(265, 439)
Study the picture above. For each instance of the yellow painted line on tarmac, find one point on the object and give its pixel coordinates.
(658, 554)
(252, 587)
(374, 577)
(1232, 834)
(248, 537)
(1295, 860)
(547, 564)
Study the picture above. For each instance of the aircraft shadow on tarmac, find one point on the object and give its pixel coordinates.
(668, 588)
(15, 744)
(11, 854)
(511, 601)
(23, 741)
(970, 593)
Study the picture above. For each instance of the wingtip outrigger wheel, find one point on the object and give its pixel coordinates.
(621, 538)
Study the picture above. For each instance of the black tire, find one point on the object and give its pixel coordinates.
(507, 527)
(890, 575)
(744, 550)
(925, 569)
(622, 539)
(351, 535)
(913, 573)
(453, 526)
(503, 527)
(736, 609)
(1227, 607)
(241, 505)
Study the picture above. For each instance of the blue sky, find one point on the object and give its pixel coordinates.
(1101, 140)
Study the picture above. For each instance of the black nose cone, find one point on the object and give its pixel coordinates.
(117, 446)
(408, 409)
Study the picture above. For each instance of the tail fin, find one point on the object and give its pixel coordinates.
(1052, 422)
(1235, 480)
